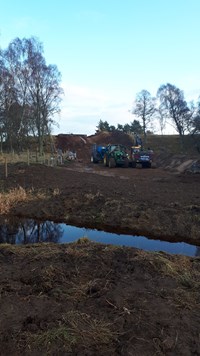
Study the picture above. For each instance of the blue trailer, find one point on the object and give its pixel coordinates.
(97, 154)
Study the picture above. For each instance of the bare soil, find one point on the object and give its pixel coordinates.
(91, 299)
(155, 203)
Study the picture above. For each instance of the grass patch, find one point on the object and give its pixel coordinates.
(170, 266)
(83, 240)
(88, 330)
(10, 199)
(60, 336)
(76, 330)
(187, 280)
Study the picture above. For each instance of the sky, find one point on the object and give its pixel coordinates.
(109, 50)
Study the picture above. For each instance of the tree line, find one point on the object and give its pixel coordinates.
(30, 93)
(134, 127)
(169, 106)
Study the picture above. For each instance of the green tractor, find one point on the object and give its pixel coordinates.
(116, 155)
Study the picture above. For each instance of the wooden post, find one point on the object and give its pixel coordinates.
(28, 158)
(6, 167)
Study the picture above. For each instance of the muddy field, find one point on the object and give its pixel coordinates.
(155, 203)
(86, 298)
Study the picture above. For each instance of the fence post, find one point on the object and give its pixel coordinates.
(6, 167)
(28, 158)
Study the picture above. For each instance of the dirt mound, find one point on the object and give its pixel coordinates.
(73, 143)
(81, 144)
(104, 138)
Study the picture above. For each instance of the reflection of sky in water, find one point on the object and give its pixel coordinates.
(30, 231)
(71, 233)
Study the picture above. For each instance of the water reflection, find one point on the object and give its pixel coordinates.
(30, 231)
(197, 254)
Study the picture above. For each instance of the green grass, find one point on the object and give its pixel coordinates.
(171, 144)
(57, 335)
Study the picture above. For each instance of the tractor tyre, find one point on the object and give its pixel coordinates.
(105, 161)
(126, 163)
(93, 160)
(112, 163)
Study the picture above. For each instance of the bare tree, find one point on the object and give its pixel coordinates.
(161, 119)
(8, 97)
(144, 109)
(174, 107)
(37, 87)
(194, 123)
(196, 118)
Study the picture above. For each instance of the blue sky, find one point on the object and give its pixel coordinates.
(108, 50)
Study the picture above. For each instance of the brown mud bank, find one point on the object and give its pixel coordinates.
(86, 298)
(151, 202)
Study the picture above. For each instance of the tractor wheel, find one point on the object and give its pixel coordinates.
(112, 163)
(126, 163)
(93, 160)
(105, 161)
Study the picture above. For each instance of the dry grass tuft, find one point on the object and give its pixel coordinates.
(58, 336)
(88, 330)
(74, 330)
(8, 200)
(76, 253)
(173, 267)
(83, 240)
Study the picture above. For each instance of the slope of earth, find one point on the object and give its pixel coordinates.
(92, 299)
(149, 202)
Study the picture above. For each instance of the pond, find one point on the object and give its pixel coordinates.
(20, 231)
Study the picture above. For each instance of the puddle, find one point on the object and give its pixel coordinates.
(30, 231)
